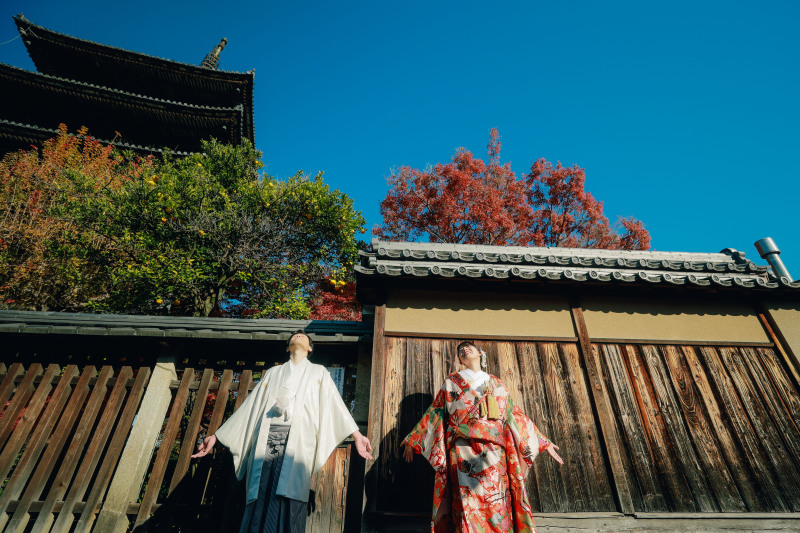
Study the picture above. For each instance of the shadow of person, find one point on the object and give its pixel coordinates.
(209, 498)
(394, 488)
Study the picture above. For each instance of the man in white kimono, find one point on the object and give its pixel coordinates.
(281, 435)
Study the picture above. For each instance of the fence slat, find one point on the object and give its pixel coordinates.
(221, 401)
(18, 402)
(244, 388)
(37, 442)
(71, 459)
(52, 453)
(93, 452)
(28, 420)
(103, 478)
(192, 428)
(164, 450)
(7, 386)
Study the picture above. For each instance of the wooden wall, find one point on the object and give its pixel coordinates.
(643, 428)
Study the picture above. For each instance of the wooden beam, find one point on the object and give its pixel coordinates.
(509, 338)
(605, 414)
(776, 336)
(375, 416)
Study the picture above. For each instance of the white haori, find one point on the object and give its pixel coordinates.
(475, 379)
(319, 422)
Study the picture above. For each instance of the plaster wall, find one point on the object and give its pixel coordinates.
(672, 320)
(478, 314)
(787, 316)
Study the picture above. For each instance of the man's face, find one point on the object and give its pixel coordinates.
(299, 342)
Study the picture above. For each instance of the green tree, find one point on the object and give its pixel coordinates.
(204, 235)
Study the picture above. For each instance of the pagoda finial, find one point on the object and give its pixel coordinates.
(212, 58)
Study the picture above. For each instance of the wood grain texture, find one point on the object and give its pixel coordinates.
(690, 414)
(123, 427)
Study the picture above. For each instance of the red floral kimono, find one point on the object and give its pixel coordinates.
(481, 459)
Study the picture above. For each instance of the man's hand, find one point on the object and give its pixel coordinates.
(363, 447)
(551, 449)
(408, 452)
(206, 446)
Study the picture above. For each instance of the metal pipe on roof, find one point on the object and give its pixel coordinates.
(768, 250)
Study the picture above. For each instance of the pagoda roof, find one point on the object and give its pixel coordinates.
(72, 58)
(20, 136)
(46, 101)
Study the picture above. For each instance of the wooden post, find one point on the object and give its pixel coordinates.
(775, 335)
(605, 413)
(135, 460)
(375, 419)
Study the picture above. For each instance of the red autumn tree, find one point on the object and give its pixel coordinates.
(472, 202)
(335, 299)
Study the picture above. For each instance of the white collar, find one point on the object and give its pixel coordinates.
(474, 378)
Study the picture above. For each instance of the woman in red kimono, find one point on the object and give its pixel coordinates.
(480, 445)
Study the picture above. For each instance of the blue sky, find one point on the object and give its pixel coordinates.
(684, 114)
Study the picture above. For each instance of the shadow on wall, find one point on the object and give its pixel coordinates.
(403, 488)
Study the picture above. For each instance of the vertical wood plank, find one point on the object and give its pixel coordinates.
(393, 396)
(623, 482)
(167, 440)
(774, 404)
(785, 469)
(120, 435)
(784, 388)
(70, 461)
(45, 466)
(566, 430)
(94, 451)
(632, 425)
(689, 490)
(375, 420)
(542, 477)
(687, 400)
(592, 460)
(18, 402)
(741, 430)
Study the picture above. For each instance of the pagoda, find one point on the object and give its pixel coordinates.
(131, 100)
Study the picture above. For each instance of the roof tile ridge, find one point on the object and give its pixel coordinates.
(21, 19)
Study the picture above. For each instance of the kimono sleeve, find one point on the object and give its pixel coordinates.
(428, 436)
(238, 431)
(335, 421)
(528, 440)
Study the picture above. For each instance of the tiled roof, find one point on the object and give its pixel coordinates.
(728, 268)
(57, 323)
(142, 119)
(73, 58)
(16, 135)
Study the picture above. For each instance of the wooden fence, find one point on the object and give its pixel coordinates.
(62, 431)
(643, 428)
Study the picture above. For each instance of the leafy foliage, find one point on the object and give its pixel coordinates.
(472, 202)
(202, 235)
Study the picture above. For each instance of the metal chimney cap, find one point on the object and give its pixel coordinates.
(766, 246)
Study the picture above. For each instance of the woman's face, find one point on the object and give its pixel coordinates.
(468, 354)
